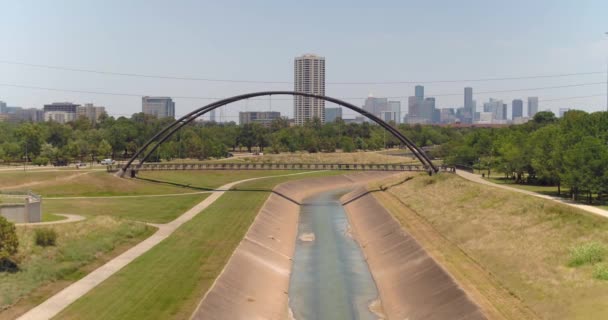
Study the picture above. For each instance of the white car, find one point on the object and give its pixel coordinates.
(107, 162)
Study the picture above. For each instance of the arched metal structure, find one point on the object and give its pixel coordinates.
(168, 131)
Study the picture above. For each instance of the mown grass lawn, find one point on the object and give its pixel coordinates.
(79, 246)
(168, 281)
(524, 242)
(145, 209)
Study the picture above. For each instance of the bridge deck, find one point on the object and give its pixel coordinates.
(282, 166)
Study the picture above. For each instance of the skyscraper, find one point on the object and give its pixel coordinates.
(469, 105)
(309, 77)
(212, 116)
(161, 107)
(419, 92)
(532, 106)
(517, 109)
(3, 107)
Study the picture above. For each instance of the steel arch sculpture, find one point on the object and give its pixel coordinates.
(169, 130)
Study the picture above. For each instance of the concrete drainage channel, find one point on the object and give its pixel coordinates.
(331, 278)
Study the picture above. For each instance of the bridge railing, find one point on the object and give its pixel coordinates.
(283, 166)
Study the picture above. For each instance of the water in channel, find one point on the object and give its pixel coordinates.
(330, 278)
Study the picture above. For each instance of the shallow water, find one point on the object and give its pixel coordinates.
(330, 278)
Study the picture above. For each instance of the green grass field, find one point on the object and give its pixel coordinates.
(79, 245)
(524, 242)
(168, 281)
(84, 245)
(145, 209)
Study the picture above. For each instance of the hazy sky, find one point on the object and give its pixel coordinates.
(361, 41)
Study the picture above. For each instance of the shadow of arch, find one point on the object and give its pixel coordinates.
(168, 131)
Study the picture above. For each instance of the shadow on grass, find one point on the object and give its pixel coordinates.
(235, 189)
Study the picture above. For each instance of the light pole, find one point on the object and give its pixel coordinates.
(606, 33)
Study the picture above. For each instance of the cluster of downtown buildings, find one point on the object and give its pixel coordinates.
(309, 77)
(60, 112)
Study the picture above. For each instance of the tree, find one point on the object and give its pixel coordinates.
(9, 244)
(104, 148)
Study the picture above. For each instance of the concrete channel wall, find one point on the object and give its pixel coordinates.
(254, 284)
(411, 284)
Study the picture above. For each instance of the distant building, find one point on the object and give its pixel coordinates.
(3, 107)
(420, 109)
(3, 117)
(532, 106)
(358, 119)
(26, 115)
(91, 112)
(468, 115)
(562, 111)
(61, 112)
(497, 108)
(395, 108)
(419, 92)
(517, 109)
(447, 115)
(309, 77)
(486, 118)
(212, 117)
(264, 118)
(331, 114)
(160, 107)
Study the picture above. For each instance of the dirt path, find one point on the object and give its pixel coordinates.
(34, 183)
(52, 306)
(476, 178)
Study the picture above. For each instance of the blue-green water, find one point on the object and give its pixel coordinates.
(330, 278)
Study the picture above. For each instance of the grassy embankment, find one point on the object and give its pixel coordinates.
(518, 255)
(168, 281)
(82, 246)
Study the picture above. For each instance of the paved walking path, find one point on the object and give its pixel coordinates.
(52, 306)
(476, 178)
(70, 218)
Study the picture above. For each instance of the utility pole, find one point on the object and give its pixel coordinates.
(606, 33)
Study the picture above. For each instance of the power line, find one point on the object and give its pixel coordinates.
(287, 99)
(186, 78)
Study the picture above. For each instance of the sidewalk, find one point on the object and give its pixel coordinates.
(476, 178)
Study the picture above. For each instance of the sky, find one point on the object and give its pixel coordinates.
(362, 41)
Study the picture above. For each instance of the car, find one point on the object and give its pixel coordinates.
(80, 164)
(107, 162)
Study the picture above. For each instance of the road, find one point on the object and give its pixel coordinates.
(476, 178)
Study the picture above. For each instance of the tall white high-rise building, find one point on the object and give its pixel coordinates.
(309, 77)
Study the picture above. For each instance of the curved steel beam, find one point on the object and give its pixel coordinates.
(179, 123)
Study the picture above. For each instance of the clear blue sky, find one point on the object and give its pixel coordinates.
(361, 40)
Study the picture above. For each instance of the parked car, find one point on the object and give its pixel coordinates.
(81, 164)
(107, 162)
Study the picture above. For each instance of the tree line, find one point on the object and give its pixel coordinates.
(570, 151)
(118, 138)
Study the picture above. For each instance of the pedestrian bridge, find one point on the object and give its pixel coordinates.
(282, 166)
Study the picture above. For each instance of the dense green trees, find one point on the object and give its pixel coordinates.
(571, 151)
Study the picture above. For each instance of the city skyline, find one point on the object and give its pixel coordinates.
(558, 32)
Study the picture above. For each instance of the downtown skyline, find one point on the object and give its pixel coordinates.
(210, 48)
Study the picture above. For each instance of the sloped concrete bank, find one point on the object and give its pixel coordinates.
(254, 284)
(411, 284)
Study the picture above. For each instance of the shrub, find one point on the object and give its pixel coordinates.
(9, 243)
(589, 253)
(45, 237)
(601, 272)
